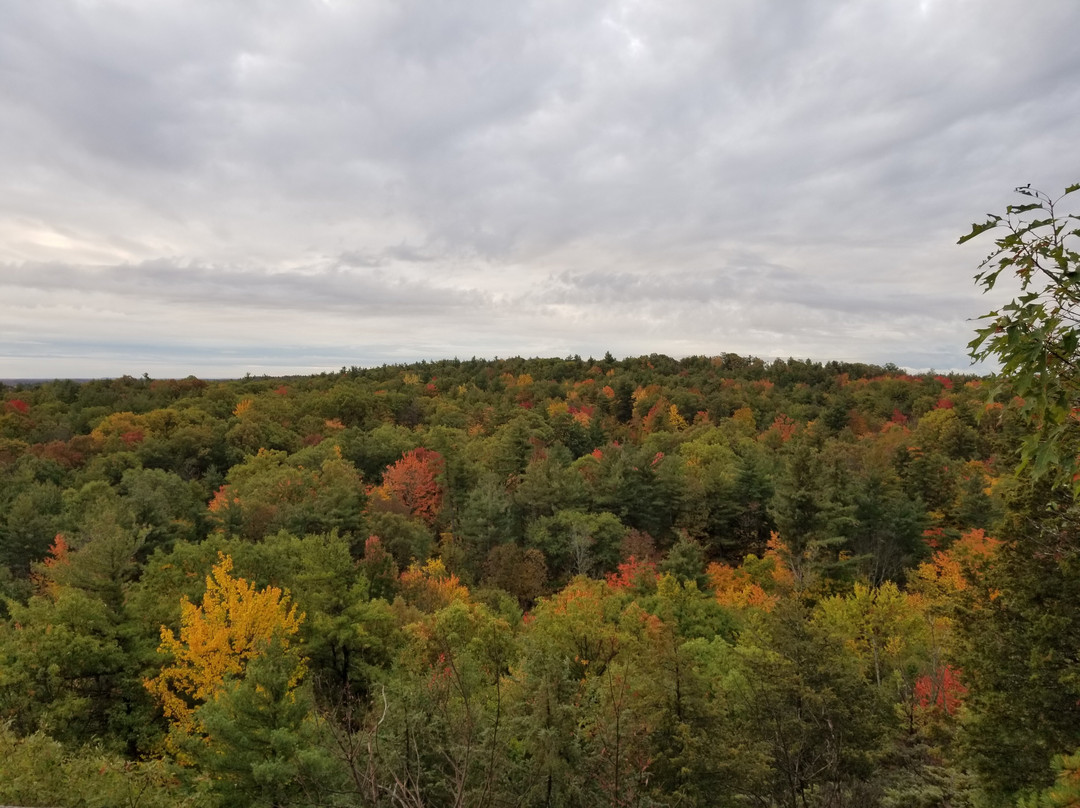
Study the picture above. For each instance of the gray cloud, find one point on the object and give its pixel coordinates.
(315, 289)
(493, 178)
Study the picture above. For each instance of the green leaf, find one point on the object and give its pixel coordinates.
(1024, 208)
(977, 229)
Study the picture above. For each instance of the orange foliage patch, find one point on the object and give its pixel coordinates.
(58, 558)
(635, 575)
(223, 499)
(784, 426)
(431, 587)
(941, 690)
(414, 481)
(952, 569)
(735, 588)
(756, 583)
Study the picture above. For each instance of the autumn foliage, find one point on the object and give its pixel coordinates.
(414, 481)
(634, 574)
(756, 583)
(57, 561)
(940, 690)
(217, 639)
(573, 604)
(954, 569)
(430, 586)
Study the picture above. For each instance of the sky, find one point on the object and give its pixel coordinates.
(217, 187)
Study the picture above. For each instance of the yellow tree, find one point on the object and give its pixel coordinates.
(234, 624)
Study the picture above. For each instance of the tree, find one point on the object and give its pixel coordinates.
(445, 739)
(313, 491)
(1066, 790)
(217, 639)
(488, 517)
(686, 561)
(812, 518)
(167, 505)
(1017, 638)
(1036, 336)
(258, 739)
(71, 659)
(1017, 643)
(887, 632)
(571, 640)
(29, 524)
(63, 666)
(578, 543)
(431, 587)
(679, 655)
(804, 698)
(348, 634)
(38, 770)
(519, 571)
(414, 481)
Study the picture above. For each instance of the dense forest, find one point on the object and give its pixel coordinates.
(712, 581)
(526, 582)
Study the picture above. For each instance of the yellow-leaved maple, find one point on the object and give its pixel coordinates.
(233, 625)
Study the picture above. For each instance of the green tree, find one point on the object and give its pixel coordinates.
(570, 643)
(441, 738)
(887, 536)
(1018, 636)
(803, 697)
(1036, 336)
(171, 508)
(488, 517)
(681, 655)
(578, 543)
(258, 743)
(812, 517)
(38, 770)
(66, 667)
(29, 525)
(72, 657)
(686, 561)
(1066, 789)
(1017, 641)
(349, 634)
(549, 484)
(313, 491)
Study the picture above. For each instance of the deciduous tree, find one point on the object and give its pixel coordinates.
(217, 639)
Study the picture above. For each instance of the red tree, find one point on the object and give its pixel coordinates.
(414, 481)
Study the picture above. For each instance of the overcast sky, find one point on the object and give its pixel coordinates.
(225, 187)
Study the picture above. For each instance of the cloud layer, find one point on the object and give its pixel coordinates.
(224, 187)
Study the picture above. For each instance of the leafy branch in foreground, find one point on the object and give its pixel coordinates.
(1036, 335)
